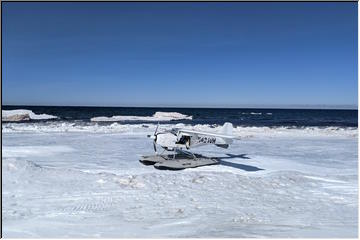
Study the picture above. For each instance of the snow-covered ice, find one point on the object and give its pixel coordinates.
(68, 180)
(23, 115)
(158, 116)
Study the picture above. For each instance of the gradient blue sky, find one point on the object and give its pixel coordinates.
(179, 54)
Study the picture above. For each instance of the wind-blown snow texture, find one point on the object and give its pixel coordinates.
(65, 180)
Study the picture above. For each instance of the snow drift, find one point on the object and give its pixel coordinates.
(23, 115)
(158, 116)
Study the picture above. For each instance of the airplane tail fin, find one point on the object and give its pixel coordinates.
(227, 129)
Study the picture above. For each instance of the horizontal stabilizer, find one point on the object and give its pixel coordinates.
(227, 129)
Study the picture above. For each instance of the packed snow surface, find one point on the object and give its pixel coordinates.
(23, 115)
(86, 181)
(158, 116)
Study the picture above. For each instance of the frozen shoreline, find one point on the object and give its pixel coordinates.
(283, 183)
(51, 127)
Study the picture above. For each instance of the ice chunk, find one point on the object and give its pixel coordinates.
(171, 115)
(23, 115)
(158, 116)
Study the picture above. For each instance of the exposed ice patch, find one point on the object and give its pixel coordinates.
(324, 179)
(25, 151)
(158, 116)
(23, 115)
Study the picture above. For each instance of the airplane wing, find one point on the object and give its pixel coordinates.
(186, 132)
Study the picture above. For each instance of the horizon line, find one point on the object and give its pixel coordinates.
(249, 106)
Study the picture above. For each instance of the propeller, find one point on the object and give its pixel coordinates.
(154, 145)
(154, 137)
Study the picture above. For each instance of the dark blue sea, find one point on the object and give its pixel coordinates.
(237, 116)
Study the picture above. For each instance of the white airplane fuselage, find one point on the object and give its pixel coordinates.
(170, 141)
(178, 138)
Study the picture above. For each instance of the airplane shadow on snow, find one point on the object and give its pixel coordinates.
(244, 167)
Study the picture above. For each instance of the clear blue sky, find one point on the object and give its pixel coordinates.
(179, 54)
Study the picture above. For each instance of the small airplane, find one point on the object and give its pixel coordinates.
(179, 139)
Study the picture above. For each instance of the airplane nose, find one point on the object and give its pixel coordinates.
(151, 136)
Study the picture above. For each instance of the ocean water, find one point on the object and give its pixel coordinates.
(238, 117)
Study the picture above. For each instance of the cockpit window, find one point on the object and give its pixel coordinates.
(174, 131)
